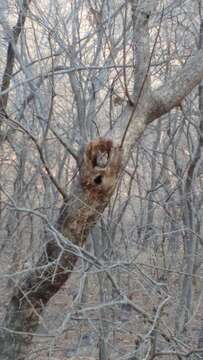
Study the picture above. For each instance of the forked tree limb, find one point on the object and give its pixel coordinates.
(89, 196)
(165, 98)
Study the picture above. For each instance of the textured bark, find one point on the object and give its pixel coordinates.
(200, 340)
(163, 99)
(184, 308)
(90, 194)
(10, 60)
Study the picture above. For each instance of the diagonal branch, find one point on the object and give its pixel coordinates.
(90, 194)
(165, 98)
(173, 92)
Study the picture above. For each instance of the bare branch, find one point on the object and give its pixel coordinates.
(14, 35)
(174, 91)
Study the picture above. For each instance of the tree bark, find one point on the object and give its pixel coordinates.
(90, 194)
(184, 308)
(162, 100)
(10, 59)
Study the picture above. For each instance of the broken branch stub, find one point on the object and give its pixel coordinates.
(92, 190)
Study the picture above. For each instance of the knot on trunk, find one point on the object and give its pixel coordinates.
(101, 166)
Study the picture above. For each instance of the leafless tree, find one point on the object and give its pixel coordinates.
(101, 176)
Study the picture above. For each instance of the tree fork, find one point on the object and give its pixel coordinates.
(90, 193)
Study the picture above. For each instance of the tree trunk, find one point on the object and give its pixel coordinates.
(90, 194)
(191, 243)
(14, 35)
(200, 340)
